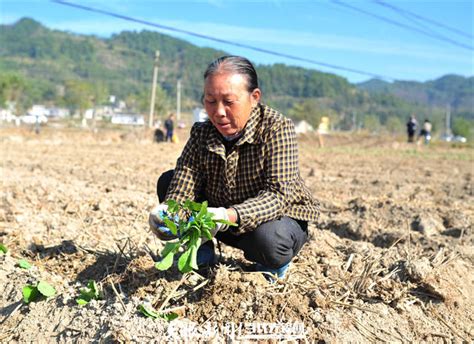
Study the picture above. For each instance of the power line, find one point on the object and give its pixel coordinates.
(215, 39)
(408, 27)
(428, 20)
(418, 23)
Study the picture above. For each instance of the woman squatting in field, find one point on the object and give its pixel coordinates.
(244, 162)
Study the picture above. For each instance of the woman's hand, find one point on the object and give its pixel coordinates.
(157, 223)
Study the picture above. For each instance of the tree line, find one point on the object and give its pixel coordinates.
(79, 71)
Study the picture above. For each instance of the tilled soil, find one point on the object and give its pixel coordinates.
(390, 259)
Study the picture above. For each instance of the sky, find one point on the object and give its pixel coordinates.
(412, 40)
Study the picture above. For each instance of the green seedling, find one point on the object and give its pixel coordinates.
(190, 234)
(34, 293)
(3, 249)
(149, 312)
(23, 263)
(91, 292)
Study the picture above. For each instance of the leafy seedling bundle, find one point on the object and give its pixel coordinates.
(189, 233)
(34, 293)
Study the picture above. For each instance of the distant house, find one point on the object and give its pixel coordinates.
(7, 116)
(33, 119)
(303, 127)
(89, 113)
(38, 110)
(42, 110)
(58, 112)
(100, 112)
(128, 119)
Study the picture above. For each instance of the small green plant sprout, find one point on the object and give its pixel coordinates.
(91, 292)
(189, 233)
(149, 312)
(3, 249)
(34, 293)
(23, 263)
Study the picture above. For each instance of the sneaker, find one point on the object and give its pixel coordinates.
(206, 256)
(269, 272)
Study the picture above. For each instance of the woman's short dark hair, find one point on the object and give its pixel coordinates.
(237, 65)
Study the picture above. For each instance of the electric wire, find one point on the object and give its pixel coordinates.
(224, 41)
(418, 23)
(405, 26)
(425, 19)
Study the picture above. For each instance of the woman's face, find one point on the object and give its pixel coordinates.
(228, 103)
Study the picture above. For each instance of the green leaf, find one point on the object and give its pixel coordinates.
(170, 247)
(169, 316)
(148, 311)
(206, 233)
(22, 263)
(166, 262)
(202, 211)
(3, 249)
(210, 224)
(91, 292)
(81, 302)
(173, 206)
(171, 225)
(193, 255)
(203, 207)
(46, 289)
(94, 289)
(191, 205)
(30, 293)
(195, 232)
(184, 262)
(187, 204)
(187, 226)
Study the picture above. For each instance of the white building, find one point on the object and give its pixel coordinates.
(303, 127)
(58, 112)
(7, 116)
(128, 119)
(38, 110)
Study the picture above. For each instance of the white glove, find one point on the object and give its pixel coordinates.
(219, 214)
(157, 223)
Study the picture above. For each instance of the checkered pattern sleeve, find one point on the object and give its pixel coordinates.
(281, 176)
(188, 177)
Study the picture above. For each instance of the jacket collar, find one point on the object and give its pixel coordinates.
(250, 135)
(251, 130)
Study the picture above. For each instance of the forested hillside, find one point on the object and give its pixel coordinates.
(40, 65)
(450, 90)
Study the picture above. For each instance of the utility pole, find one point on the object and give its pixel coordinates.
(153, 89)
(178, 100)
(354, 120)
(448, 120)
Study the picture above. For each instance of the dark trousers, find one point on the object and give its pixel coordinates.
(169, 135)
(272, 244)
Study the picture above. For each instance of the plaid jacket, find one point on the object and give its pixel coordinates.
(258, 177)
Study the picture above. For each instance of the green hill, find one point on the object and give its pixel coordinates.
(38, 64)
(449, 90)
